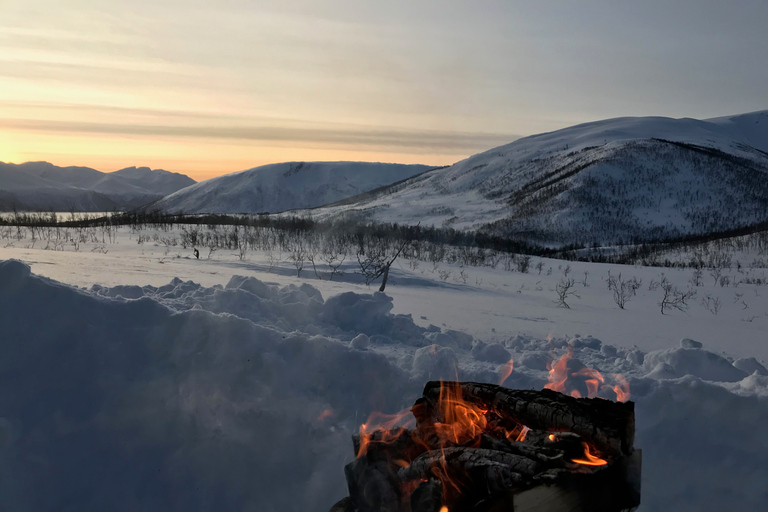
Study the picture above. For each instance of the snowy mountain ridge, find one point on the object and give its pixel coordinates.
(285, 186)
(612, 181)
(44, 186)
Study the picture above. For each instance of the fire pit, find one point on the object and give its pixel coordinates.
(466, 446)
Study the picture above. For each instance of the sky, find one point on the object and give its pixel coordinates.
(208, 87)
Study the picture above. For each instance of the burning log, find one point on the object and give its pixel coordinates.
(609, 425)
(481, 447)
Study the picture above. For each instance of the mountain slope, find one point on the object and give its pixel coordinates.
(44, 186)
(612, 181)
(285, 186)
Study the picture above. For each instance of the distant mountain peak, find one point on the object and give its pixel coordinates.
(285, 186)
(45, 186)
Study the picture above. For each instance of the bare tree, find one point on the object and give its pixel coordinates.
(375, 257)
(298, 254)
(333, 255)
(696, 277)
(565, 290)
(712, 304)
(674, 298)
(622, 289)
(715, 273)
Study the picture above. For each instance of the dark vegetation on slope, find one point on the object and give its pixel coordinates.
(639, 192)
(256, 232)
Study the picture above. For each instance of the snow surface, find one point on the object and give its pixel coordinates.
(232, 388)
(285, 186)
(45, 187)
(603, 181)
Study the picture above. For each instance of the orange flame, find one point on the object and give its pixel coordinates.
(505, 371)
(386, 423)
(443, 509)
(462, 421)
(558, 373)
(622, 389)
(590, 459)
(593, 379)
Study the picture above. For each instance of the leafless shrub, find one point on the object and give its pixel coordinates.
(674, 298)
(622, 289)
(696, 277)
(564, 291)
(712, 304)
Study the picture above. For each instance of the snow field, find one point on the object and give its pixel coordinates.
(243, 395)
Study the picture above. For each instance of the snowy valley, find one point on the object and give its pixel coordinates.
(163, 362)
(234, 381)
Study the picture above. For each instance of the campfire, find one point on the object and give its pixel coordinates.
(467, 446)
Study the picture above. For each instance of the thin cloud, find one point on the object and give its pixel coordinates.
(413, 141)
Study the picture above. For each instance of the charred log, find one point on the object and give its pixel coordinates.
(526, 451)
(610, 426)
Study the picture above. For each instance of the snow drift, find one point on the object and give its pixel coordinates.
(243, 397)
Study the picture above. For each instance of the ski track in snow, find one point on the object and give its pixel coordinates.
(219, 391)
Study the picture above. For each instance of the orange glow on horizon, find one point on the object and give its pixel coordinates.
(198, 159)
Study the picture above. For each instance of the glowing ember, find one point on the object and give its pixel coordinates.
(443, 509)
(590, 460)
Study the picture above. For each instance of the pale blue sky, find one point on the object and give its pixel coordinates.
(207, 87)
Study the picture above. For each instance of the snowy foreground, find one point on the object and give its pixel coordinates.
(128, 390)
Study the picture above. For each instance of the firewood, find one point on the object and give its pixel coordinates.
(609, 426)
(506, 466)
(372, 486)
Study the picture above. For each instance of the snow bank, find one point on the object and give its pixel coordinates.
(243, 397)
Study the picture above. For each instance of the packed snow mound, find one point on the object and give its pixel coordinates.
(41, 186)
(243, 397)
(613, 181)
(285, 186)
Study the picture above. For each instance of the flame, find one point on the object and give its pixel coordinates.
(443, 509)
(593, 379)
(590, 460)
(558, 373)
(462, 421)
(622, 389)
(505, 371)
(523, 433)
(391, 427)
(551, 437)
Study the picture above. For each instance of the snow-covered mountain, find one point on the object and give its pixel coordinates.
(44, 186)
(285, 186)
(610, 181)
